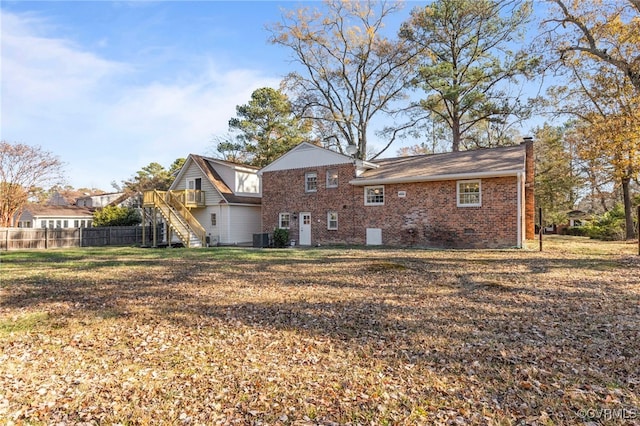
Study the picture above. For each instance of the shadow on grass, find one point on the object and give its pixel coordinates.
(492, 316)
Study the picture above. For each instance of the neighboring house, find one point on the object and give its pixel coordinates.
(471, 199)
(575, 219)
(211, 202)
(578, 218)
(102, 200)
(39, 216)
(57, 199)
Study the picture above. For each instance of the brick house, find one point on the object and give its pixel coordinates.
(471, 199)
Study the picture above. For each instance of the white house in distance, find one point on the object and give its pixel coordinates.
(102, 200)
(211, 201)
(39, 216)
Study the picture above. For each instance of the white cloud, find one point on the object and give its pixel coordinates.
(80, 106)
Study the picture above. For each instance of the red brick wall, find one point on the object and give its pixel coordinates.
(529, 197)
(426, 217)
(285, 191)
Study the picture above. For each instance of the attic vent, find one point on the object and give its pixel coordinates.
(402, 194)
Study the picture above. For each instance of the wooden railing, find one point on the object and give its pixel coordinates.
(190, 197)
(188, 217)
(187, 197)
(167, 200)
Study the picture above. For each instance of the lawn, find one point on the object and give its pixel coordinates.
(322, 336)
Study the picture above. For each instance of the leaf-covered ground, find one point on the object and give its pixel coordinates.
(321, 336)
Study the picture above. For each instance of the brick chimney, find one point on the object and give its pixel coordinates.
(529, 198)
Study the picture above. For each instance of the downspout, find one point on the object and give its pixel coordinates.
(229, 233)
(520, 213)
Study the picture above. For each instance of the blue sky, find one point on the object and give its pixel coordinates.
(110, 87)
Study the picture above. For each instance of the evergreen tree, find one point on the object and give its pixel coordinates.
(266, 126)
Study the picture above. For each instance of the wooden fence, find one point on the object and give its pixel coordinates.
(46, 238)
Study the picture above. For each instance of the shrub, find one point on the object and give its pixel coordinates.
(280, 237)
(576, 231)
(609, 226)
(116, 216)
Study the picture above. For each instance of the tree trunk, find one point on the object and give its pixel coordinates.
(362, 144)
(455, 128)
(628, 211)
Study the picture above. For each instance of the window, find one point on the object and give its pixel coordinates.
(332, 178)
(373, 195)
(58, 223)
(214, 219)
(194, 183)
(43, 224)
(76, 223)
(311, 182)
(469, 193)
(65, 224)
(283, 220)
(332, 220)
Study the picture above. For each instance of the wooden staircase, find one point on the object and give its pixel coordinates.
(178, 217)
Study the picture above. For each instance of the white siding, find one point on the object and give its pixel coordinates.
(234, 224)
(211, 195)
(307, 155)
(243, 221)
(226, 173)
(204, 217)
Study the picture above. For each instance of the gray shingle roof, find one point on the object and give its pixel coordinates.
(491, 162)
(227, 194)
(37, 210)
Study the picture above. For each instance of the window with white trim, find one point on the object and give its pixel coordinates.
(469, 193)
(332, 178)
(332, 221)
(311, 182)
(284, 220)
(374, 195)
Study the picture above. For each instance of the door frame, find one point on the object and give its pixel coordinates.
(301, 229)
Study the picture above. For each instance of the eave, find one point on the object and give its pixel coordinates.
(434, 178)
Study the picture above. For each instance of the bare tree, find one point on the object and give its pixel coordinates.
(352, 71)
(23, 168)
(597, 45)
(605, 31)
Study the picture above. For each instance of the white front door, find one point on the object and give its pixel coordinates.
(305, 229)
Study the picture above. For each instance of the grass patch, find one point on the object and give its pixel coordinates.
(320, 336)
(29, 322)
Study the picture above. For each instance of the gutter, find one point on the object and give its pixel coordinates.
(434, 178)
(520, 209)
